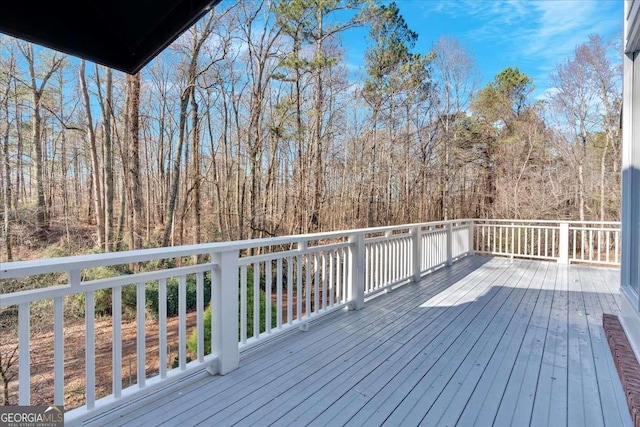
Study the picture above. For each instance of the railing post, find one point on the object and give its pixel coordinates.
(224, 319)
(416, 253)
(563, 247)
(471, 250)
(356, 271)
(449, 243)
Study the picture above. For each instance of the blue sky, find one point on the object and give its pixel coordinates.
(533, 35)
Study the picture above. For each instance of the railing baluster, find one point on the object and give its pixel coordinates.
(533, 238)
(367, 265)
(316, 283)
(279, 292)
(243, 304)
(90, 350)
(116, 356)
(388, 247)
(332, 255)
(307, 285)
(140, 334)
(256, 299)
(200, 314)
(268, 283)
(608, 234)
(546, 242)
(339, 280)
(182, 322)
(324, 280)
(24, 348)
(385, 263)
(599, 245)
(162, 309)
(376, 281)
(289, 289)
(301, 247)
(58, 351)
(345, 275)
(393, 261)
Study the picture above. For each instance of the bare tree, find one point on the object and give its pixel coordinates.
(37, 85)
(199, 35)
(105, 100)
(585, 103)
(456, 79)
(8, 371)
(96, 167)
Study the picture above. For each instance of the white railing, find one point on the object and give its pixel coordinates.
(563, 241)
(246, 293)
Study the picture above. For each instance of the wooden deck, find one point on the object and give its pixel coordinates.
(488, 341)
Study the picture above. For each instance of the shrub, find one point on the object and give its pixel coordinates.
(173, 285)
(192, 342)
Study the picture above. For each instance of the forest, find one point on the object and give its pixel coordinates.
(252, 125)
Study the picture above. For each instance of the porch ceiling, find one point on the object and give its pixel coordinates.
(122, 34)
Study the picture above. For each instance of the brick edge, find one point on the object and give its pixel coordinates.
(626, 363)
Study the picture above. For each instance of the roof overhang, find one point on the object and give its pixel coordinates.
(122, 34)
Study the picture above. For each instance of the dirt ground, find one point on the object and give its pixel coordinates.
(74, 358)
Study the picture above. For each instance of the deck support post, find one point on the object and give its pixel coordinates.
(416, 255)
(563, 247)
(449, 243)
(224, 319)
(356, 271)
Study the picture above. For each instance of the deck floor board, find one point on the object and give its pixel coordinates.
(486, 341)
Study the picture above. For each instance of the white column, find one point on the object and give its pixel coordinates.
(224, 319)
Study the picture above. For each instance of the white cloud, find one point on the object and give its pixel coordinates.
(534, 35)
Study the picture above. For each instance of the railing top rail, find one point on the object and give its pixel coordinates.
(544, 221)
(52, 265)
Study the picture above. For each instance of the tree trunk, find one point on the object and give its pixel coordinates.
(133, 83)
(318, 172)
(95, 161)
(108, 160)
(7, 197)
(603, 171)
(197, 197)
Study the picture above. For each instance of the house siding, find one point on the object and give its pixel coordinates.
(630, 265)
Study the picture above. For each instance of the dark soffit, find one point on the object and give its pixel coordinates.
(121, 34)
